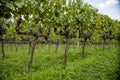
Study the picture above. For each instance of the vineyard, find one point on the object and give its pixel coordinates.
(57, 40)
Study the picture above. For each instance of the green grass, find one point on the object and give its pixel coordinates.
(48, 65)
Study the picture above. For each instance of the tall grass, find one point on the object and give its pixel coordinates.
(48, 65)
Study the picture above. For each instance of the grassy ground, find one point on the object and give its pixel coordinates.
(48, 65)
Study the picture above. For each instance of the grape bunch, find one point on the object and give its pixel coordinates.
(2, 30)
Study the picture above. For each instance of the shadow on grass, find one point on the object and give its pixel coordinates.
(2, 75)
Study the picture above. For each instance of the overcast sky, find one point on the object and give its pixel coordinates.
(109, 7)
